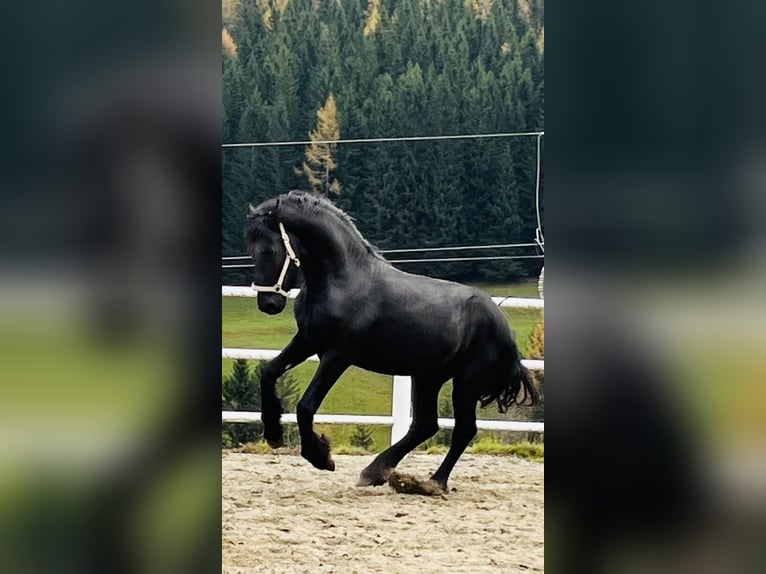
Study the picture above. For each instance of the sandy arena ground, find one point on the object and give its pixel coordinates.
(281, 515)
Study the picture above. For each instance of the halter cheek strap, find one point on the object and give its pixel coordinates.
(289, 256)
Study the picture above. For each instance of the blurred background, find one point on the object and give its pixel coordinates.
(108, 288)
(656, 318)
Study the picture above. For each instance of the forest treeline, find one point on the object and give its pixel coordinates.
(328, 69)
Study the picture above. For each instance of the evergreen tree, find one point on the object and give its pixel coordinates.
(241, 391)
(394, 68)
(240, 394)
(536, 343)
(362, 438)
(536, 350)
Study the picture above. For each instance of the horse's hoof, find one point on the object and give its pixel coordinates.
(367, 478)
(320, 462)
(275, 443)
(273, 435)
(328, 464)
(365, 481)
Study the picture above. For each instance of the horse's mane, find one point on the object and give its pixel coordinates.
(315, 203)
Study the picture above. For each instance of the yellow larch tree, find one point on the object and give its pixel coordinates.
(320, 156)
(228, 44)
(372, 18)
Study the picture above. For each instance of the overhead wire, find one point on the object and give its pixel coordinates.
(385, 139)
(459, 248)
(425, 249)
(539, 231)
(539, 238)
(445, 259)
(431, 260)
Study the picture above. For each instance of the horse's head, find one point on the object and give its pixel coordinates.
(274, 268)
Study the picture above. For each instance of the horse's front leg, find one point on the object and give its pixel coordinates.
(296, 352)
(314, 448)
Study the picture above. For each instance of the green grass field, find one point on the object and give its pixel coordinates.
(357, 391)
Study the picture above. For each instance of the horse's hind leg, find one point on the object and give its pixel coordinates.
(425, 395)
(464, 406)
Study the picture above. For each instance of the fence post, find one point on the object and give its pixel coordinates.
(400, 407)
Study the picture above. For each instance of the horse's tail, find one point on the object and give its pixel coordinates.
(506, 389)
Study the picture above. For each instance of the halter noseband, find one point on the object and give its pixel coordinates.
(289, 256)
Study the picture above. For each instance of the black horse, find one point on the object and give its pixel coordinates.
(356, 309)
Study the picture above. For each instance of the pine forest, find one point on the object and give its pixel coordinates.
(319, 70)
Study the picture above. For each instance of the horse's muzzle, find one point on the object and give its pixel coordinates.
(271, 303)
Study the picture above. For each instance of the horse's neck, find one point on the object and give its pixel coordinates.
(328, 250)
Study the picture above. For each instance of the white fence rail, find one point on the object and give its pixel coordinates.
(268, 354)
(400, 418)
(518, 302)
(252, 417)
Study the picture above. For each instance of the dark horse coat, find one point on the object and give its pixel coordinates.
(356, 309)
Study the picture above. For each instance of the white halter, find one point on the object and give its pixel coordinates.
(289, 256)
